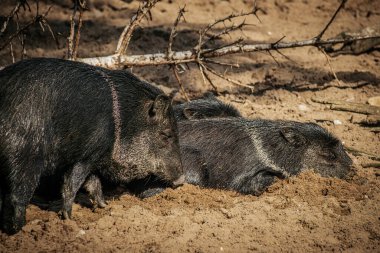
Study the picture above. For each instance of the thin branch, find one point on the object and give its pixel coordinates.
(174, 67)
(173, 32)
(274, 58)
(126, 35)
(285, 56)
(38, 18)
(77, 37)
(225, 77)
(12, 54)
(225, 31)
(70, 39)
(319, 36)
(230, 17)
(329, 63)
(14, 12)
(232, 65)
(205, 76)
(74, 37)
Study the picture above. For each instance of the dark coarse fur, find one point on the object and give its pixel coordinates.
(207, 107)
(247, 155)
(63, 121)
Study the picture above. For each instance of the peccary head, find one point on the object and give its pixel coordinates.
(149, 146)
(208, 107)
(321, 151)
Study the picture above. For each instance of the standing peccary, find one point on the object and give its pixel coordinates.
(247, 155)
(62, 122)
(207, 107)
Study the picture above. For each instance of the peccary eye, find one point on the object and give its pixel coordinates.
(166, 134)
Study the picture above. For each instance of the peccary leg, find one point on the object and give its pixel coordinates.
(150, 192)
(21, 188)
(256, 184)
(72, 181)
(1, 203)
(94, 187)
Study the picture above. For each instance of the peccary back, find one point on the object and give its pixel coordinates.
(207, 107)
(63, 121)
(247, 155)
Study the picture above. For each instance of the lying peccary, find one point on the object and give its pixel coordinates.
(207, 107)
(247, 155)
(62, 122)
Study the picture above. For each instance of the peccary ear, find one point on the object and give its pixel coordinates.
(190, 114)
(159, 107)
(293, 136)
(209, 95)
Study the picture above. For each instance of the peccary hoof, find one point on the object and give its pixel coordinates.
(65, 214)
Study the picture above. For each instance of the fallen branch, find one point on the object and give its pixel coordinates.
(357, 108)
(375, 129)
(370, 120)
(118, 61)
(199, 54)
(355, 47)
(369, 165)
(355, 151)
(346, 106)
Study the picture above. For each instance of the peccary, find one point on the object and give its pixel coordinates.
(62, 122)
(207, 107)
(247, 155)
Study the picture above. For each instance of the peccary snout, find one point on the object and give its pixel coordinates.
(180, 181)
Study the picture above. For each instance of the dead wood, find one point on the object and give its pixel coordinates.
(359, 152)
(370, 120)
(347, 106)
(369, 165)
(357, 108)
(375, 129)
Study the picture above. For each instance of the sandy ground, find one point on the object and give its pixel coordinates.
(306, 213)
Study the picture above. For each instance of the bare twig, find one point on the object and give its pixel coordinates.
(175, 72)
(70, 39)
(369, 165)
(232, 65)
(74, 37)
(319, 36)
(37, 19)
(205, 76)
(77, 37)
(227, 30)
(329, 63)
(225, 77)
(173, 32)
(346, 106)
(14, 12)
(356, 151)
(126, 35)
(12, 54)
